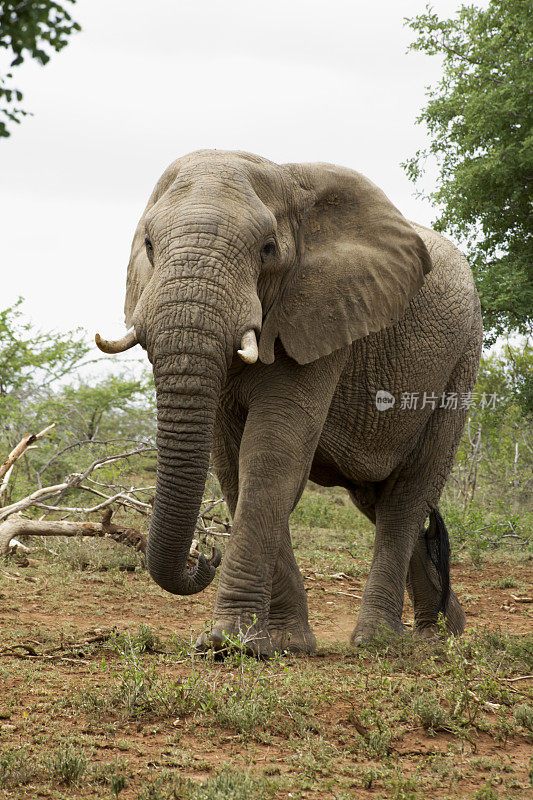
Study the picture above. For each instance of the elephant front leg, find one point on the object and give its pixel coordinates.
(260, 593)
(287, 627)
(288, 620)
(245, 588)
(260, 596)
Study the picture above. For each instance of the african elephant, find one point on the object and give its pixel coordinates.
(347, 299)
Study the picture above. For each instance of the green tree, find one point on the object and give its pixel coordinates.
(92, 418)
(112, 407)
(29, 29)
(29, 358)
(493, 466)
(40, 383)
(479, 117)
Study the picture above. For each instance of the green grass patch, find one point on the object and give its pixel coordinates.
(332, 510)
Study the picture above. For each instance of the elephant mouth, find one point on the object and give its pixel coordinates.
(248, 350)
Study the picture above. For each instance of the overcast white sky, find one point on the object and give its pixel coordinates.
(144, 83)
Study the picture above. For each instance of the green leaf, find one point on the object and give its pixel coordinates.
(30, 29)
(480, 120)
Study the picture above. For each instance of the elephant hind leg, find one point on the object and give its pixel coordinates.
(428, 592)
(403, 505)
(424, 580)
(426, 588)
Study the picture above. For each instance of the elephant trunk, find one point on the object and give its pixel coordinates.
(188, 373)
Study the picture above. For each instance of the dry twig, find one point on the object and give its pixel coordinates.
(21, 448)
(25, 444)
(48, 498)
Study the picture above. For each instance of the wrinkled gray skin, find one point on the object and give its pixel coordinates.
(346, 298)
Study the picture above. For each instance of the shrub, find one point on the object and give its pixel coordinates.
(67, 764)
(429, 711)
(523, 714)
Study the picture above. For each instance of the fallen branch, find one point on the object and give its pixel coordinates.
(71, 653)
(31, 651)
(17, 525)
(20, 449)
(73, 481)
(3, 484)
(29, 654)
(142, 508)
(20, 526)
(48, 498)
(11, 576)
(23, 446)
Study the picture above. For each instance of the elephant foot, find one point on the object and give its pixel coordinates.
(426, 622)
(455, 616)
(297, 639)
(376, 629)
(230, 635)
(427, 633)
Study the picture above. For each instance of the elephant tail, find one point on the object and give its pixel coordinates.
(438, 548)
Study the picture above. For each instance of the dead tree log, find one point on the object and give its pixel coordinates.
(20, 526)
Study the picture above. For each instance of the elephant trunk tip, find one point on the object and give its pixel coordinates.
(191, 580)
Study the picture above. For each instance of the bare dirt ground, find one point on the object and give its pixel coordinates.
(101, 695)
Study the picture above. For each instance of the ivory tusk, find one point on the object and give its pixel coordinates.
(118, 346)
(248, 351)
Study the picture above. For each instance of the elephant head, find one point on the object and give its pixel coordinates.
(232, 247)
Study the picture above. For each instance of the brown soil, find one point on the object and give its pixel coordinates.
(33, 602)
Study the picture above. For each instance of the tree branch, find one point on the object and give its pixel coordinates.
(21, 448)
(71, 482)
(20, 526)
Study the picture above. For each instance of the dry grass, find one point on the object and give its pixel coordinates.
(102, 694)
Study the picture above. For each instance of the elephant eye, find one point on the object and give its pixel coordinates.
(148, 245)
(268, 250)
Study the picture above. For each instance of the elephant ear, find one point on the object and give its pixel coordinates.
(139, 267)
(359, 264)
